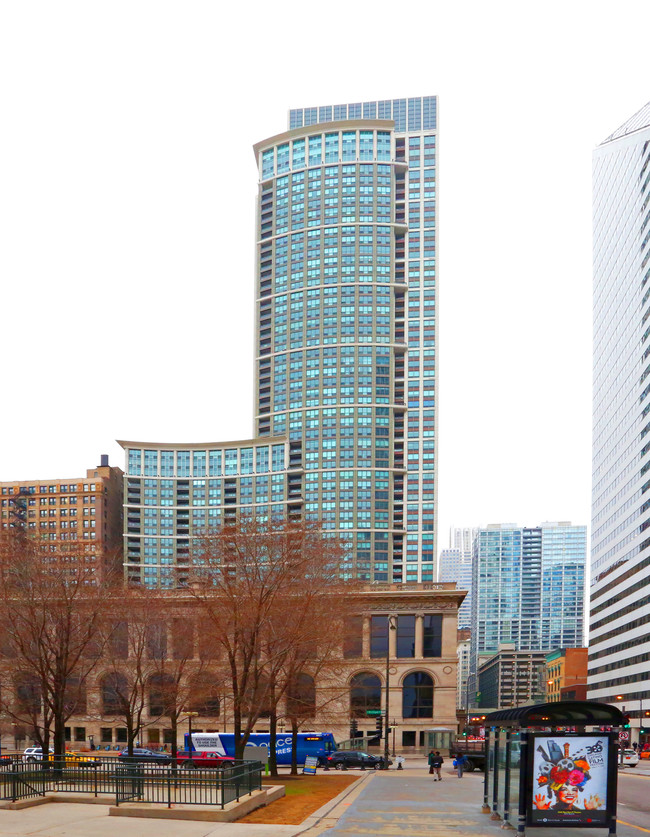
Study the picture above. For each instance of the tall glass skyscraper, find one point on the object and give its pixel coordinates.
(528, 589)
(346, 226)
(619, 643)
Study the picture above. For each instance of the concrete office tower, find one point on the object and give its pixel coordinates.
(528, 588)
(456, 565)
(346, 225)
(619, 636)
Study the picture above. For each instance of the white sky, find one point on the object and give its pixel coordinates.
(127, 207)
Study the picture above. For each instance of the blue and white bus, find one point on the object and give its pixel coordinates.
(319, 744)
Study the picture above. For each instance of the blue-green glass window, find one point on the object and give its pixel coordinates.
(283, 158)
(277, 458)
(315, 150)
(231, 461)
(417, 695)
(432, 646)
(383, 145)
(349, 145)
(267, 163)
(298, 154)
(214, 457)
(378, 636)
(183, 463)
(166, 463)
(151, 463)
(365, 145)
(262, 463)
(135, 462)
(198, 466)
(406, 636)
(331, 148)
(246, 461)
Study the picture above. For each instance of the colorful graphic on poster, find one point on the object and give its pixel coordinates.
(569, 779)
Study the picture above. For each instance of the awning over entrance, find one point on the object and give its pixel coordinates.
(567, 713)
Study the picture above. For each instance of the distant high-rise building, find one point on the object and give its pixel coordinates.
(619, 625)
(455, 564)
(346, 226)
(528, 588)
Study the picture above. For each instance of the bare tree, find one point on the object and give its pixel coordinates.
(257, 586)
(135, 644)
(52, 602)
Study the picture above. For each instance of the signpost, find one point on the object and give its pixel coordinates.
(311, 763)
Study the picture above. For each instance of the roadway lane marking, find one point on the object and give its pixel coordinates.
(629, 825)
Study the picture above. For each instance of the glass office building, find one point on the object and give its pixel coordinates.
(528, 589)
(619, 637)
(175, 494)
(346, 226)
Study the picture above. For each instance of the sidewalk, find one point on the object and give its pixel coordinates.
(410, 803)
(396, 803)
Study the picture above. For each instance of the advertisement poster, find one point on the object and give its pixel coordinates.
(569, 781)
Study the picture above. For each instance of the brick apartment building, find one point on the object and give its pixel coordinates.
(68, 512)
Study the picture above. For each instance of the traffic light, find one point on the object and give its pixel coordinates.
(626, 721)
(379, 725)
(354, 728)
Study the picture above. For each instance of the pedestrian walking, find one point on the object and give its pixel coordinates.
(437, 764)
(459, 764)
(430, 759)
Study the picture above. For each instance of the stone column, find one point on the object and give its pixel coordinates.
(365, 640)
(392, 639)
(419, 636)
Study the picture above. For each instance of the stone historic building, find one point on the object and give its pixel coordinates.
(407, 631)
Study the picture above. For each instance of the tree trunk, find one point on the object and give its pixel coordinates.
(59, 736)
(273, 755)
(294, 746)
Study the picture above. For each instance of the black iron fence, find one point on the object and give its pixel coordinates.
(132, 781)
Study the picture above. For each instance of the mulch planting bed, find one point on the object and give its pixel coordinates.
(304, 795)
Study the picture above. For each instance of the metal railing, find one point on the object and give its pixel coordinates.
(132, 781)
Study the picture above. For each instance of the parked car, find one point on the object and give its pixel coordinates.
(72, 758)
(141, 754)
(189, 761)
(355, 758)
(34, 754)
(630, 758)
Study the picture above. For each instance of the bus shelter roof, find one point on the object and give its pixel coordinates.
(565, 713)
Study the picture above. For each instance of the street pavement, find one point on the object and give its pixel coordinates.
(382, 804)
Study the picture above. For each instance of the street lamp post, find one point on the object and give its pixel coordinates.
(190, 715)
(391, 627)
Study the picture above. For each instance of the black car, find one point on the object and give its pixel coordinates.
(140, 754)
(355, 758)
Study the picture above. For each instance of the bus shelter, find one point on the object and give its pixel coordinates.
(552, 765)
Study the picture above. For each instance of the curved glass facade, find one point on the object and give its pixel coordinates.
(331, 348)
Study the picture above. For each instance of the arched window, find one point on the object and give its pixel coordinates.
(162, 695)
(28, 694)
(301, 697)
(75, 697)
(205, 695)
(417, 695)
(114, 691)
(365, 693)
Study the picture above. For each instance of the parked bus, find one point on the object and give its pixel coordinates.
(319, 744)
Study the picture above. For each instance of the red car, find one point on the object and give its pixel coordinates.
(189, 761)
